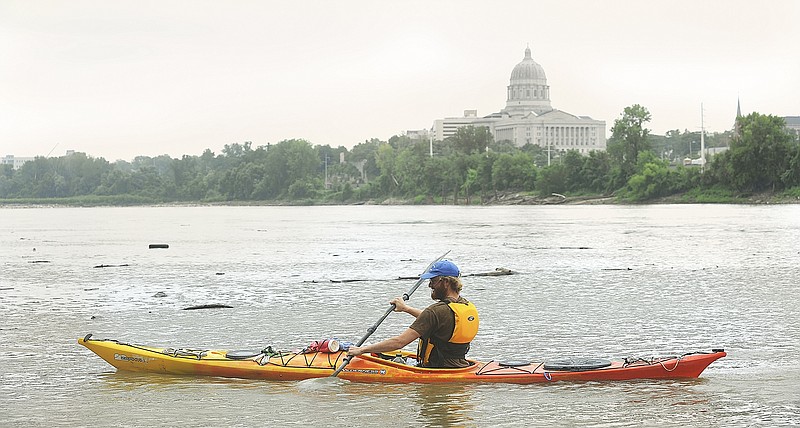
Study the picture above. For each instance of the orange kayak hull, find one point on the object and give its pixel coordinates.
(375, 368)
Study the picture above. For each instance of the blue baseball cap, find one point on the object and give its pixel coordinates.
(442, 268)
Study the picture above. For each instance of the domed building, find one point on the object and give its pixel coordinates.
(528, 90)
(529, 118)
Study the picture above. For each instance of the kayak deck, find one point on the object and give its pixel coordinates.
(271, 365)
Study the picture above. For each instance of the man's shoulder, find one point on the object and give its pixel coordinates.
(438, 305)
(448, 302)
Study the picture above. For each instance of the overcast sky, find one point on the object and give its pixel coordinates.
(117, 79)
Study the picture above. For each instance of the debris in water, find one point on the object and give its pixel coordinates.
(211, 306)
(497, 272)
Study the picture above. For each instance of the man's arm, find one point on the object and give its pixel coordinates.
(390, 344)
(401, 306)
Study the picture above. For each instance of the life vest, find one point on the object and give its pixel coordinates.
(466, 327)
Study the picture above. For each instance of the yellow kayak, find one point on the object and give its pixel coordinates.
(278, 365)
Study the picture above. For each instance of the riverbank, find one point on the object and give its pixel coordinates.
(507, 198)
(791, 196)
(765, 198)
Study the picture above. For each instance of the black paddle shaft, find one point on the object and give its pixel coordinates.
(372, 329)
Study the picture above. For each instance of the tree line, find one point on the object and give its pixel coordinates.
(467, 168)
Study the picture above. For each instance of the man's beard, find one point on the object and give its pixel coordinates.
(439, 292)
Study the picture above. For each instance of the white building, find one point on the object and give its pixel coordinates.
(528, 117)
(15, 161)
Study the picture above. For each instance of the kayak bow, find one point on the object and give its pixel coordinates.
(271, 365)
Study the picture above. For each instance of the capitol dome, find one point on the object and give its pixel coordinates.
(528, 69)
(528, 90)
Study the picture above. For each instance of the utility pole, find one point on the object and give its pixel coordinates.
(431, 142)
(547, 141)
(702, 141)
(327, 184)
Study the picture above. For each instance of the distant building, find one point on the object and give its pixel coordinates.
(709, 153)
(421, 134)
(529, 118)
(15, 161)
(793, 124)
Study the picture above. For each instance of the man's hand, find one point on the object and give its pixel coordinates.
(355, 351)
(399, 304)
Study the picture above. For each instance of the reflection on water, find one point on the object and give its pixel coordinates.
(600, 282)
(445, 405)
(122, 381)
(407, 404)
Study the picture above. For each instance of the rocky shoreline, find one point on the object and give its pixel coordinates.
(499, 199)
(558, 199)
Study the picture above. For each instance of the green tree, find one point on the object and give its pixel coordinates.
(470, 139)
(435, 177)
(385, 160)
(469, 182)
(409, 170)
(115, 182)
(347, 192)
(628, 139)
(791, 177)
(82, 174)
(366, 152)
(484, 169)
(147, 182)
(503, 146)
(760, 158)
(653, 179)
(6, 181)
(552, 179)
(573, 163)
(596, 171)
(288, 162)
(514, 172)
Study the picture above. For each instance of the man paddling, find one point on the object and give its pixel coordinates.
(444, 329)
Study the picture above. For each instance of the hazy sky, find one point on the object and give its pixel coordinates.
(116, 79)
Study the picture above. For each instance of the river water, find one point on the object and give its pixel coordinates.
(592, 281)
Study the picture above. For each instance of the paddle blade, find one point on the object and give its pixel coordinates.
(321, 384)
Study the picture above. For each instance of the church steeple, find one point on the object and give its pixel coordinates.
(737, 123)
